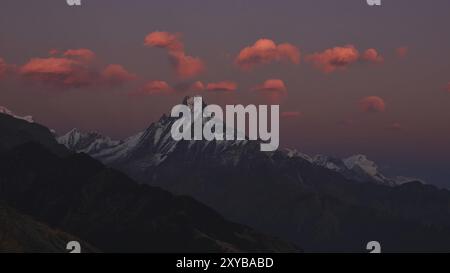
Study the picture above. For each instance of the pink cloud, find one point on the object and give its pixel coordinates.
(156, 88)
(57, 71)
(189, 87)
(334, 58)
(185, 66)
(164, 40)
(274, 89)
(292, 114)
(116, 74)
(265, 51)
(371, 55)
(53, 52)
(224, 86)
(83, 54)
(372, 104)
(197, 86)
(402, 52)
(73, 69)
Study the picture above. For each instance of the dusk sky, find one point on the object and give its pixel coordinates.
(349, 78)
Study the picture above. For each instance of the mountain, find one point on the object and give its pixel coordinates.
(20, 233)
(15, 132)
(149, 148)
(144, 151)
(321, 203)
(89, 143)
(360, 168)
(6, 111)
(79, 195)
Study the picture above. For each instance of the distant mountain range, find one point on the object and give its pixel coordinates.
(154, 145)
(321, 203)
(46, 187)
(357, 167)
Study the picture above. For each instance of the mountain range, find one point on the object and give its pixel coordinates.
(321, 203)
(52, 195)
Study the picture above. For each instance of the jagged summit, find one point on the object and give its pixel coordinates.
(360, 168)
(89, 143)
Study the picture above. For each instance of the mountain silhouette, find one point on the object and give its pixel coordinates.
(79, 195)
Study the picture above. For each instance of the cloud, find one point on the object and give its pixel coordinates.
(335, 58)
(371, 55)
(189, 87)
(197, 86)
(274, 89)
(272, 85)
(402, 52)
(83, 55)
(116, 75)
(164, 40)
(372, 104)
(156, 88)
(185, 66)
(53, 52)
(58, 71)
(340, 58)
(223, 86)
(292, 114)
(73, 69)
(265, 51)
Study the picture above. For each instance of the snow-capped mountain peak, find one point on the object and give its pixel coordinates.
(152, 146)
(6, 111)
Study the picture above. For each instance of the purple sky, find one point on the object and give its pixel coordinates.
(409, 134)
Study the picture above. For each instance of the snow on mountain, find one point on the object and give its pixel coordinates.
(89, 143)
(360, 168)
(151, 147)
(8, 112)
(292, 153)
